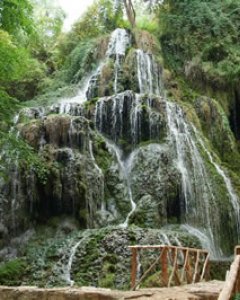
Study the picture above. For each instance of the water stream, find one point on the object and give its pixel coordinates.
(204, 239)
(68, 267)
(197, 193)
(232, 195)
(100, 176)
(125, 167)
(119, 42)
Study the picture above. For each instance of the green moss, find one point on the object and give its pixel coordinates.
(111, 259)
(101, 154)
(88, 105)
(12, 272)
(108, 281)
(236, 296)
(153, 280)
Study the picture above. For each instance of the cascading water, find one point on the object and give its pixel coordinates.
(125, 120)
(125, 167)
(149, 80)
(15, 189)
(67, 275)
(197, 193)
(164, 238)
(100, 176)
(204, 239)
(66, 269)
(232, 195)
(118, 44)
(136, 120)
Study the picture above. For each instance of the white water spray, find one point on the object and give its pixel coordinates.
(125, 167)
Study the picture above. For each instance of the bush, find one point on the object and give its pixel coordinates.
(11, 273)
(207, 30)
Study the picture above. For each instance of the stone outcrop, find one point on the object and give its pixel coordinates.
(203, 291)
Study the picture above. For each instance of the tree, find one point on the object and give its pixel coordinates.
(49, 19)
(16, 16)
(203, 38)
(130, 12)
(13, 60)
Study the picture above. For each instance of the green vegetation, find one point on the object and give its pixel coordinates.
(80, 61)
(236, 297)
(22, 71)
(11, 273)
(202, 37)
(199, 41)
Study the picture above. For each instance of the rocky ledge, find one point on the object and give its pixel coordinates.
(200, 291)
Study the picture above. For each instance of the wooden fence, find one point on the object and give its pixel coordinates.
(178, 265)
(232, 283)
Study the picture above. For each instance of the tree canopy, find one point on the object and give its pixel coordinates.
(205, 34)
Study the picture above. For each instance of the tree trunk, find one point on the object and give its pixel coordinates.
(130, 12)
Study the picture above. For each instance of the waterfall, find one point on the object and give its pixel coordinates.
(125, 167)
(81, 96)
(125, 117)
(68, 267)
(126, 120)
(204, 239)
(232, 195)
(117, 116)
(136, 120)
(110, 121)
(148, 74)
(164, 238)
(197, 193)
(100, 175)
(93, 83)
(119, 42)
(31, 182)
(15, 189)
(67, 275)
(144, 68)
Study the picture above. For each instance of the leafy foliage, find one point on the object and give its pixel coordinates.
(8, 106)
(16, 16)
(13, 60)
(19, 72)
(12, 271)
(236, 297)
(80, 61)
(49, 19)
(100, 18)
(205, 34)
(14, 148)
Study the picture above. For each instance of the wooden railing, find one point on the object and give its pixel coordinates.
(232, 283)
(177, 265)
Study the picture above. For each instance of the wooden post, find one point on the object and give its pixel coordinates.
(184, 251)
(229, 286)
(134, 267)
(196, 275)
(237, 250)
(176, 275)
(169, 255)
(164, 266)
(175, 267)
(205, 267)
(188, 269)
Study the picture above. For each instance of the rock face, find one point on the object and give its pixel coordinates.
(127, 156)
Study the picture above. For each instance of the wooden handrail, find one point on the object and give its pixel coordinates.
(191, 268)
(230, 288)
(164, 246)
(232, 283)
